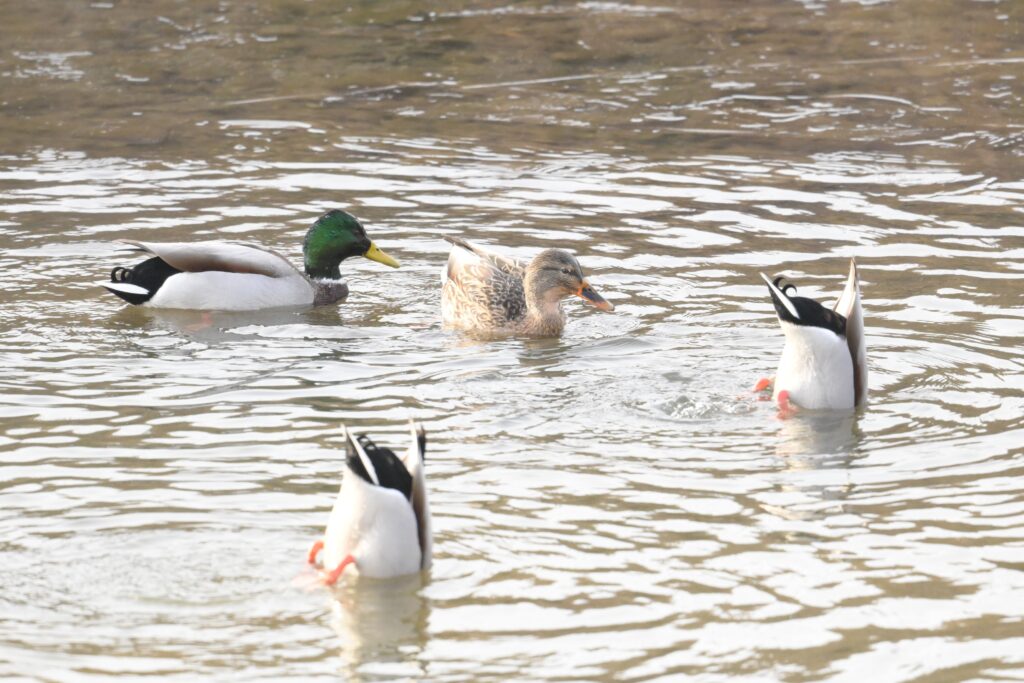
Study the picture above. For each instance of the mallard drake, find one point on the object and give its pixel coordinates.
(484, 291)
(380, 524)
(824, 360)
(233, 276)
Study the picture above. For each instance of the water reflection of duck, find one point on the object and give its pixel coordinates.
(824, 363)
(232, 276)
(818, 433)
(486, 292)
(383, 624)
(380, 523)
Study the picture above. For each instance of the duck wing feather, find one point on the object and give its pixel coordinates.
(849, 307)
(489, 286)
(505, 264)
(415, 461)
(228, 257)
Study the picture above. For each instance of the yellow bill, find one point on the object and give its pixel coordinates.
(375, 253)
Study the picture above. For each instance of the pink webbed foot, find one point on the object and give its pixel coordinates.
(205, 320)
(332, 576)
(786, 407)
(314, 550)
(763, 384)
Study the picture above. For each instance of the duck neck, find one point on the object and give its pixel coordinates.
(328, 292)
(323, 268)
(543, 308)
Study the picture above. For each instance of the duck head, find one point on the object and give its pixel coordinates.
(555, 274)
(336, 236)
(795, 312)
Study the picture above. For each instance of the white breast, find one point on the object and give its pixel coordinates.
(377, 526)
(218, 290)
(816, 369)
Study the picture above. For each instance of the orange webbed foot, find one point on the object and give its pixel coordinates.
(332, 576)
(314, 550)
(786, 407)
(205, 320)
(763, 384)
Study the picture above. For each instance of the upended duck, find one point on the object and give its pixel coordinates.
(483, 291)
(380, 524)
(824, 360)
(232, 276)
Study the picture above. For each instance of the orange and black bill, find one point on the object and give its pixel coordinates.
(593, 298)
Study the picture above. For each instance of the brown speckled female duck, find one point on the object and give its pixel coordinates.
(485, 292)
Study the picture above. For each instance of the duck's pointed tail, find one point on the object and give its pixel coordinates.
(849, 306)
(138, 284)
(133, 294)
(415, 460)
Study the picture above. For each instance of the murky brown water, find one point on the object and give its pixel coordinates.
(610, 505)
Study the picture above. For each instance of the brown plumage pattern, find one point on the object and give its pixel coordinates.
(487, 293)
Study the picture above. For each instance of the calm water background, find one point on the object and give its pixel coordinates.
(609, 505)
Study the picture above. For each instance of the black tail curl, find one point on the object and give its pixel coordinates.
(150, 275)
(784, 285)
(390, 471)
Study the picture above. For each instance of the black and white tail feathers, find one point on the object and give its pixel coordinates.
(421, 440)
(377, 465)
(138, 284)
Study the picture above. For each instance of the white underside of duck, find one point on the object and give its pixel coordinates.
(374, 525)
(380, 525)
(820, 369)
(232, 291)
(816, 369)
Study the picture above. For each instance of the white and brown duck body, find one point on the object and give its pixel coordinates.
(824, 359)
(487, 293)
(380, 525)
(234, 276)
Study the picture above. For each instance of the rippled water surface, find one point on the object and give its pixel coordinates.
(614, 504)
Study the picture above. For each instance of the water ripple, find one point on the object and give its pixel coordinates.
(613, 504)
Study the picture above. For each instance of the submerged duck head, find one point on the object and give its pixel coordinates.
(800, 310)
(336, 236)
(555, 274)
(381, 519)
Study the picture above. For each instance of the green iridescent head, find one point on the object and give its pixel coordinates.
(336, 236)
